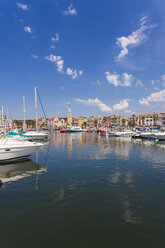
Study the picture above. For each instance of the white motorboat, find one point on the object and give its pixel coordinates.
(124, 133)
(136, 135)
(160, 135)
(149, 134)
(75, 130)
(146, 135)
(11, 149)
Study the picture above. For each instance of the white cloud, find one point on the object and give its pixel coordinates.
(70, 10)
(127, 79)
(121, 106)
(35, 56)
(60, 65)
(22, 6)
(154, 97)
(163, 77)
(133, 40)
(116, 81)
(152, 82)
(139, 83)
(104, 108)
(53, 47)
(81, 72)
(95, 102)
(57, 60)
(113, 78)
(56, 38)
(127, 111)
(74, 73)
(27, 29)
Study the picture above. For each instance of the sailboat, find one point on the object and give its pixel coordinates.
(35, 135)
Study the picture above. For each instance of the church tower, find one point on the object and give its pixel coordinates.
(69, 117)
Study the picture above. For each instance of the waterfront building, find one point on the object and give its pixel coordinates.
(57, 122)
(75, 122)
(5, 123)
(62, 122)
(162, 119)
(149, 120)
(82, 120)
(41, 121)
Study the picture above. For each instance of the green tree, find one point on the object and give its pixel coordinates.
(133, 116)
(84, 125)
(143, 117)
(95, 123)
(123, 121)
(114, 120)
(155, 117)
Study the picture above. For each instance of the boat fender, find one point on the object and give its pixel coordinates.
(1, 183)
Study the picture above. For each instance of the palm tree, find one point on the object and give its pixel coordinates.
(95, 123)
(129, 123)
(115, 120)
(155, 117)
(84, 124)
(123, 121)
(143, 117)
(133, 116)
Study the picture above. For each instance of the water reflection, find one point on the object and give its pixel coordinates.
(106, 187)
(106, 145)
(16, 171)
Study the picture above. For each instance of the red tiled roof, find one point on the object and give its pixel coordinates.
(52, 118)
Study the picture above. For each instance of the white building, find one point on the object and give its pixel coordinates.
(5, 123)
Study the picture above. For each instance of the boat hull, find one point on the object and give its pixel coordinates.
(124, 134)
(75, 131)
(16, 153)
(160, 137)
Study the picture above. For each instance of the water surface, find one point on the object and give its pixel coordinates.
(85, 191)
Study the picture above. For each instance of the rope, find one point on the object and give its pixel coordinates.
(42, 108)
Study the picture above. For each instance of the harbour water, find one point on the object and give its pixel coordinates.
(85, 191)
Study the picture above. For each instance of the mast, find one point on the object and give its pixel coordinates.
(36, 109)
(24, 122)
(2, 117)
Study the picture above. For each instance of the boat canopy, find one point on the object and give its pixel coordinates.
(14, 133)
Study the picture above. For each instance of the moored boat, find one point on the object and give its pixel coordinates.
(126, 133)
(75, 130)
(160, 135)
(11, 149)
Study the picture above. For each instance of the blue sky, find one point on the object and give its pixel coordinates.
(100, 56)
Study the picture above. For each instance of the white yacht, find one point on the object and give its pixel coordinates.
(149, 134)
(12, 149)
(160, 135)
